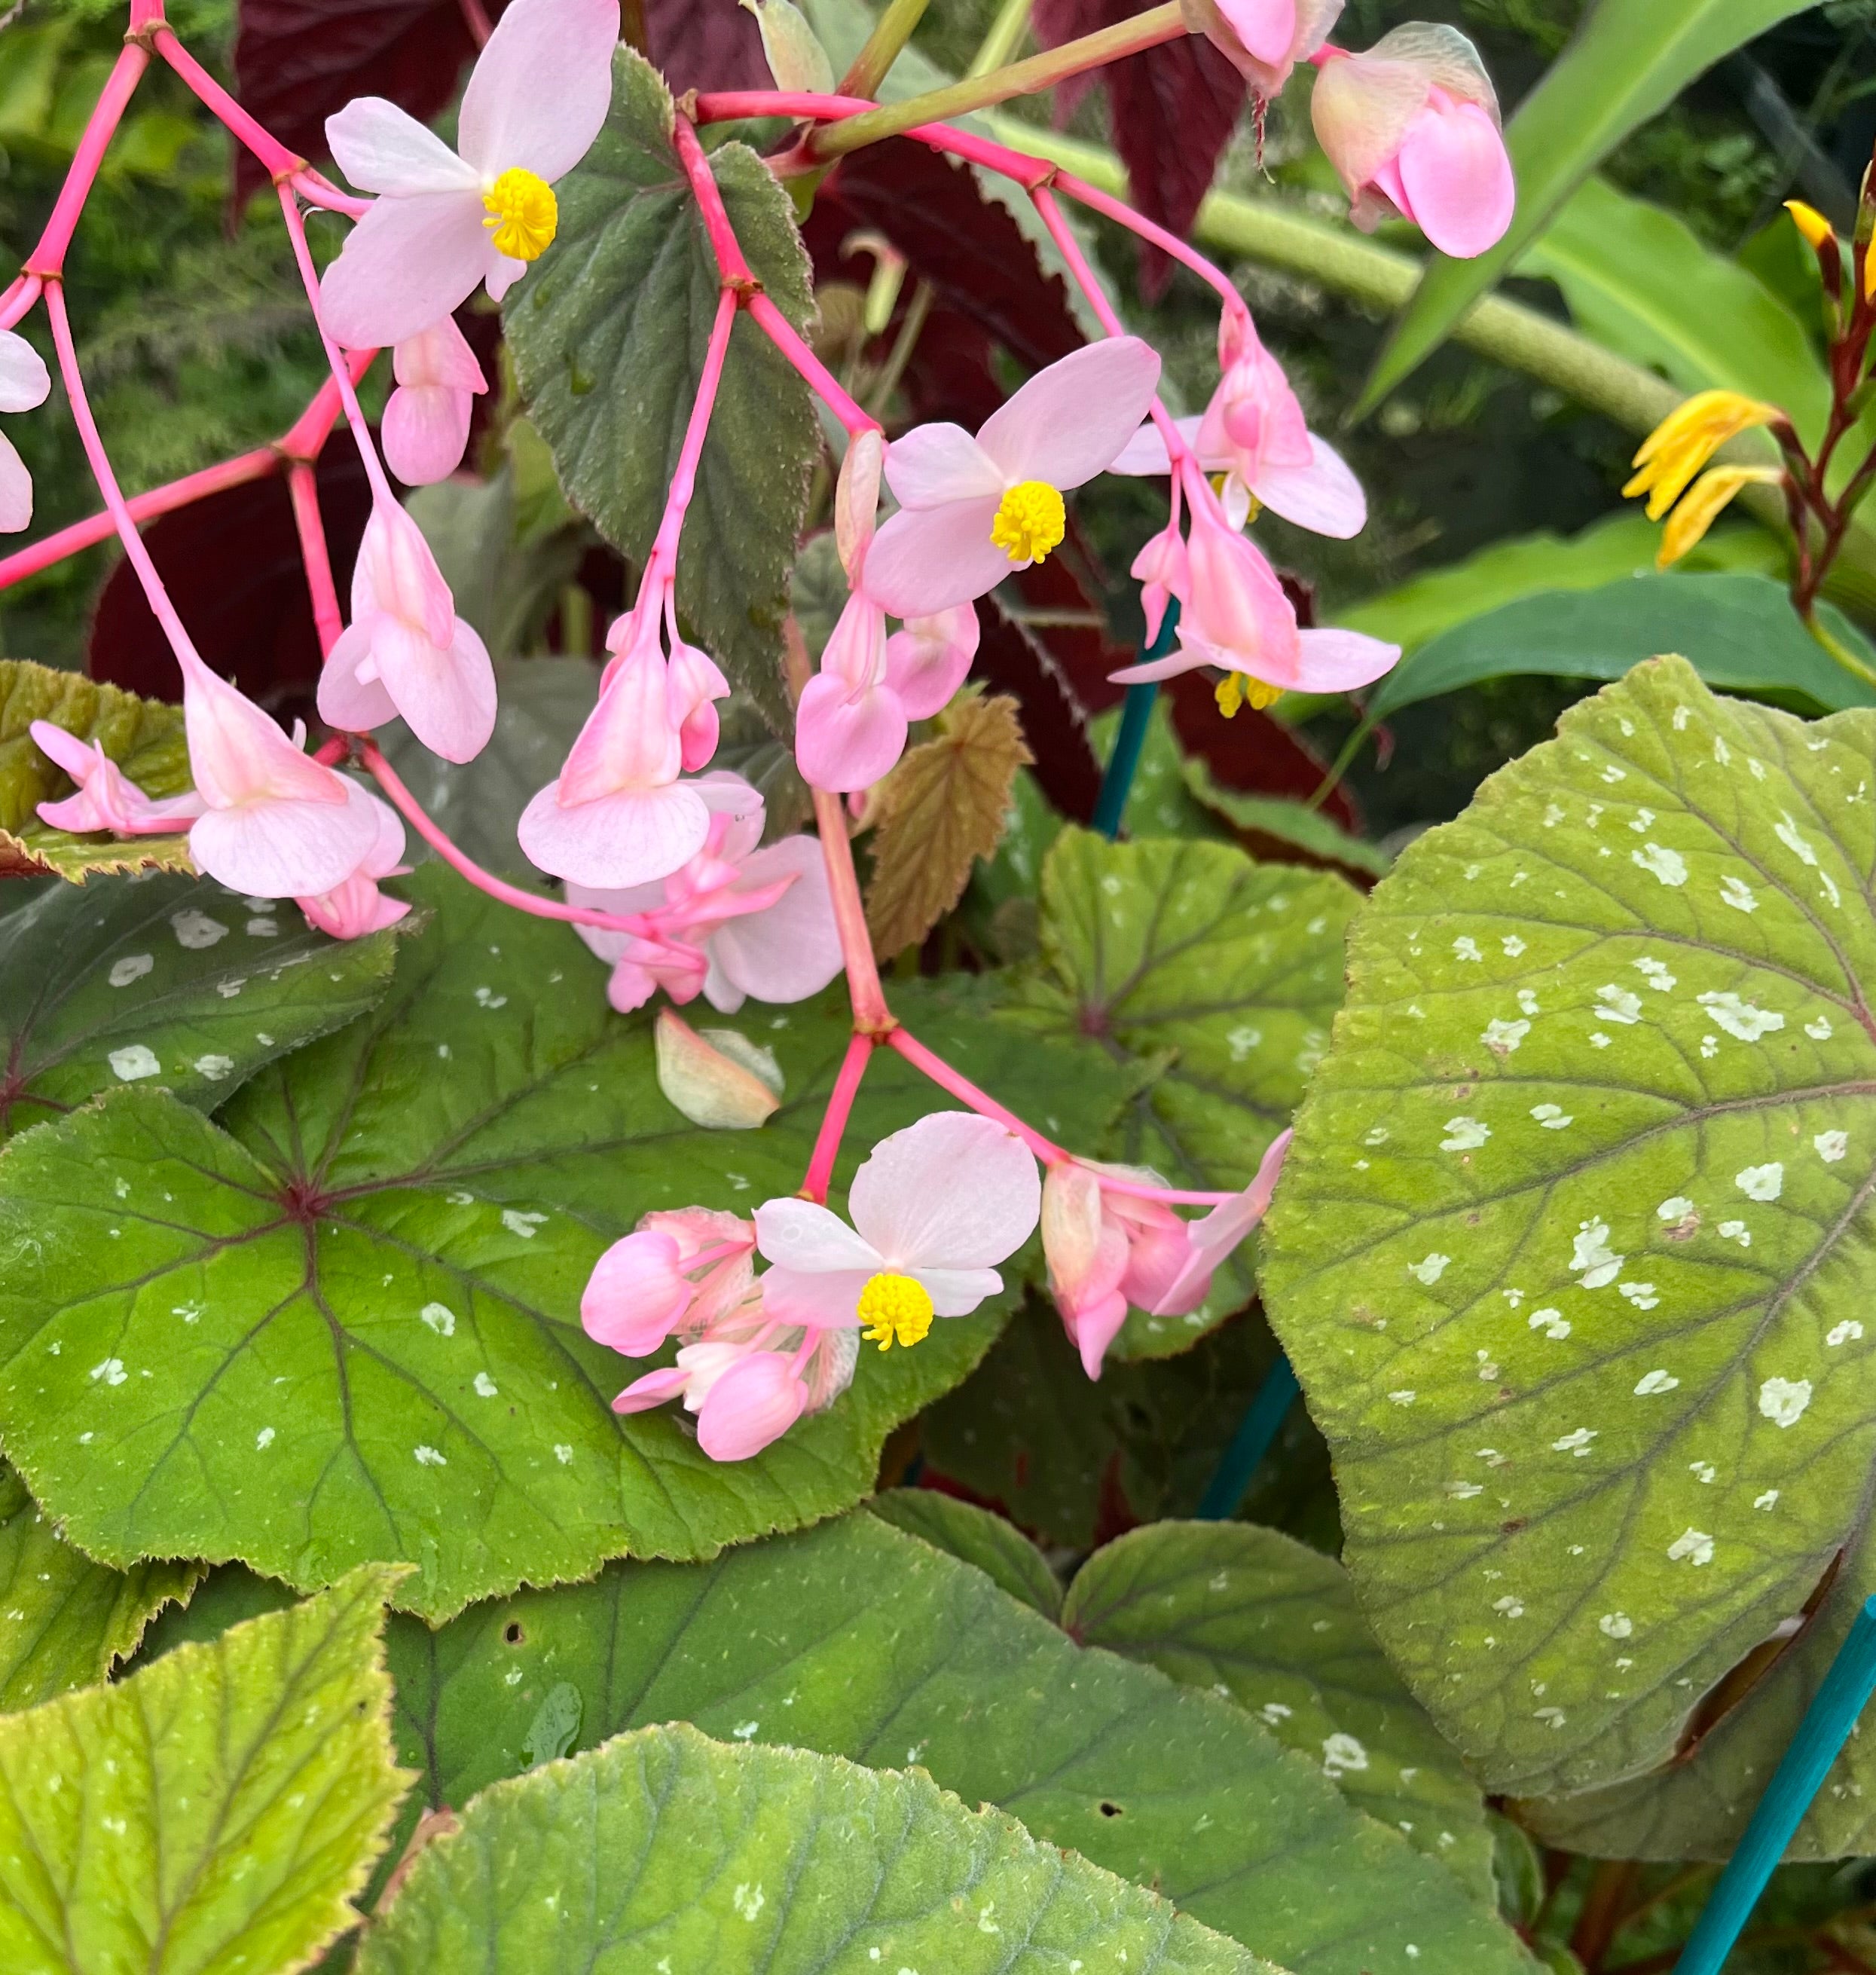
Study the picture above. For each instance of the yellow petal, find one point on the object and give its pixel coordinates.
(1809, 221)
(1705, 499)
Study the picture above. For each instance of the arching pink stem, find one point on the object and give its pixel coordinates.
(783, 335)
(279, 163)
(303, 490)
(48, 259)
(960, 1086)
(839, 1108)
(662, 564)
(16, 303)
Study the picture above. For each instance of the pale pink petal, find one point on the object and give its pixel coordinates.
(237, 753)
(792, 950)
(15, 490)
(611, 946)
(1235, 603)
(635, 1294)
(830, 1369)
(957, 1292)
(541, 87)
(426, 427)
(1221, 1231)
(846, 742)
(386, 852)
(1457, 177)
(926, 559)
(1163, 572)
(629, 739)
(696, 683)
(282, 849)
(724, 792)
(941, 462)
(1267, 27)
(106, 797)
(856, 500)
(1234, 498)
(503, 273)
(631, 984)
(1325, 496)
(953, 1191)
(1332, 661)
(651, 1390)
(1070, 421)
(383, 149)
(1361, 107)
(406, 263)
(353, 909)
(353, 704)
(807, 1239)
(396, 572)
(929, 659)
(751, 1404)
(25, 381)
(448, 697)
(439, 355)
(818, 1299)
(625, 839)
(1186, 658)
(856, 651)
(1145, 455)
(1095, 1327)
(1086, 1253)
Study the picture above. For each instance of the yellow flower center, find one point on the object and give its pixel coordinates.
(895, 1308)
(1031, 521)
(523, 214)
(1237, 689)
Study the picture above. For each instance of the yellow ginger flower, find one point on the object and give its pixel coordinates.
(1687, 438)
(1704, 503)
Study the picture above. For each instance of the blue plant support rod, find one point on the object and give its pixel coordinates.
(1827, 1724)
(1249, 1444)
(1136, 716)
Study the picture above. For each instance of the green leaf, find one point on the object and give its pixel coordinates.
(216, 1811)
(343, 1323)
(64, 1621)
(1187, 955)
(664, 1848)
(1281, 824)
(172, 980)
(961, 1529)
(1571, 1251)
(855, 1640)
(142, 736)
(1626, 64)
(1240, 1610)
(609, 334)
(1639, 280)
(1740, 632)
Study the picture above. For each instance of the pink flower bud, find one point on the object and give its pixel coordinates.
(426, 419)
(1264, 39)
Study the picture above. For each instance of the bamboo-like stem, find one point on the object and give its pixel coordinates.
(1006, 34)
(890, 32)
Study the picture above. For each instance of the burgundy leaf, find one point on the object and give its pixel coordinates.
(1014, 660)
(1252, 751)
(1174, 107)
(706, 44)
(231, 563)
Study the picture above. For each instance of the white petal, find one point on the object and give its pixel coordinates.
(953, 1191)
(541, 87)
(1324, 496)
(1145, 455)
(926, 559)
(958, 1291)
(1071, 421)
(936, 463)
(15, 490)
(799, 1234)
(407, 262)
(381, 148)
(25, 381)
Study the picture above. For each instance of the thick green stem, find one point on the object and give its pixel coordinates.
(1278, 234)
(1023, 78)
(1006, 34)
(890, 35)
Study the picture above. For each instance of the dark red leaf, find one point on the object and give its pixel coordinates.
(1252, 751)
(231, 565)
(1013, 659)
(706, 44)
(1174, 108)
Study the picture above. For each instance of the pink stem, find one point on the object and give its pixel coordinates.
(1117, 209)
(1174, 1196)
(48, 259)
(135, 552)
(722, 236)
(303, 490)
(782, 333)
(413, 814)
(306, 437)
(728, 106)
(280, 163)
(476, 20)
(17, 303)
(839, 1108)
(28, 561)
(663, 558)
(317, 189)
(942, 1073)
(341, 372)
(870, 1012)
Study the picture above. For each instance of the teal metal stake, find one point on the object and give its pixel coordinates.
(1136, 716)
(1827, 1724)
(1249, 1444)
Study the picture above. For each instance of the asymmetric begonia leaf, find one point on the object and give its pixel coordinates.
(1238, 1609)
(856, 1640)
(608, 333)
(998, 1548)
(174, 980)
(1187, 955)
(664, 1848)
(142, 736)
(65, 1620)
(1572, 1249)
(215, 1812)
(343, 1323)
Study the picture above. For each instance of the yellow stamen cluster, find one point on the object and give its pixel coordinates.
(894, 1309)
(1031, 521)
(1237, 689)
(523, 213)
(1701, 506)
(1687, 438)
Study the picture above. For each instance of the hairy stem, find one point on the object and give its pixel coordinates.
(834, 1125)
(890, 32)
(662, 564)
(782, 333)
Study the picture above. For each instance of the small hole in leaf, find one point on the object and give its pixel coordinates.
(512, 1632)
(1110, 1809)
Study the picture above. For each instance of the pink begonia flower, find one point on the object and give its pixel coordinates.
(736, 921)
(1213, 1238)
(971, 510)
(1234, 614)
(443, 221)
(935, 1206)
(278, 824)
(406, 650)
(352, 909)
(1264, 39)
(680, 1271)
(106, 797)
(426, 419)
(1106, 1251)
(1253, 432)
(617, 816)
(24, 384)
(1412, 127)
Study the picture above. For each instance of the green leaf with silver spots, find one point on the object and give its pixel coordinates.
(1213, 979)
(666, 1849)
(608, 333)
(342, 1322)
(1572, 1249)
(175, 983)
